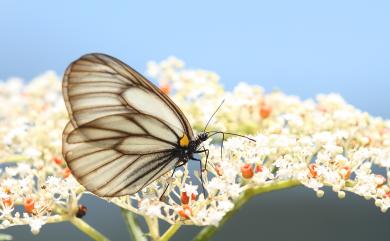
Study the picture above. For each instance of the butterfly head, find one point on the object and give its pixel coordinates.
(194, 144)
(203, 136)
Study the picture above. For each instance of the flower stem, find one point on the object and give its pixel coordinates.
(57, 218)
(87, 229)
(153, 226)
(135, 230)
(170, 232)
(207, 232)
(5, 237)
(15, 158)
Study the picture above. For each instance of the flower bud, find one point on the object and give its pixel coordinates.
(265, 111)
(186, 212)
(259, 168)
(383, 209)
(185, 199)
(380, 180)
(29, 204)
(313, 171)
(341, 194)
(218, 170)
(81, 211)
(165, 88)
(57, 160)
(387, 195)
(7, 202)
(247, 171)
(320, 193)
(345, 172)
(66, 172)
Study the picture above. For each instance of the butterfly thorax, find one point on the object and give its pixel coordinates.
(194, 144)
(189, 147)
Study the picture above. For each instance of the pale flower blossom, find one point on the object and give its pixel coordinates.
(322, 142)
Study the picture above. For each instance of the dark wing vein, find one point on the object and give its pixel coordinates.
(154, 172)
(127, 170)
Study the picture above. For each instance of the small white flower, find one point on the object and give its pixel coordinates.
(5, 224)
(154, 211)
(35, 224)
(32, 152)
(191, 189)
(215, 217)
(6, 210)
(225, 205)
(215, 185)
(178, 173)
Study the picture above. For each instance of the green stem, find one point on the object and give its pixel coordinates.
(15, 158)
(153, 226)
(57, 219)
(5, 237)
(135, 230)
(87, 229)
(170, 232)
(207, 232)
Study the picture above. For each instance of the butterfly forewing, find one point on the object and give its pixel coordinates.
(123, 131)
(99, 85)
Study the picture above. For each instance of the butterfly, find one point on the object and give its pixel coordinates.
(124, 132)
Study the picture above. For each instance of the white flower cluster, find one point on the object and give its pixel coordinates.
(319, 143)
(34, 183)
(322, 142)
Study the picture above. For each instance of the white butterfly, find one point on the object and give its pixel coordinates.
(124, 132)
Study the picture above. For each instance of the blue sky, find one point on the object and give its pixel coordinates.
(300, 47)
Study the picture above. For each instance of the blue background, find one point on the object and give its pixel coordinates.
(301, 47)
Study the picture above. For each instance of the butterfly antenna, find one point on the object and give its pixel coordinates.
(208, 122)
(229, 133)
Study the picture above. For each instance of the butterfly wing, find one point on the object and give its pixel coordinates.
(111, 157)
(123, 130)
(99, 85)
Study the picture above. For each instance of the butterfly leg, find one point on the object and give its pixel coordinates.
(207, 157)
(166, 188)
(201, 176)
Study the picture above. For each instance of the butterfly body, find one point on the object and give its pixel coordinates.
(194, 145)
